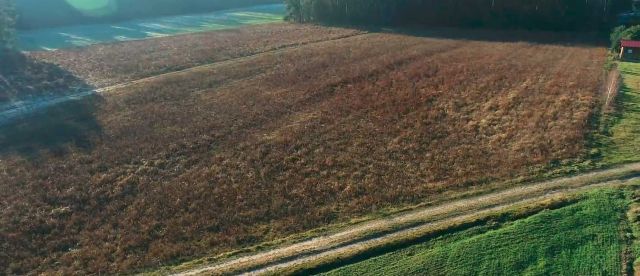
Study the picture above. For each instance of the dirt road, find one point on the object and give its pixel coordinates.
(379, 232)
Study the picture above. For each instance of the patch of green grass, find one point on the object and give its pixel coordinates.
(620, 142)
(580, 239)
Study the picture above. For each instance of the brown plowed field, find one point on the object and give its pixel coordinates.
(109, 64)
(237, 153)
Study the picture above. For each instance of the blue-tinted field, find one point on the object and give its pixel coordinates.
(84, 35)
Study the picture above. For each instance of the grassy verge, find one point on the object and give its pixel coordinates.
(580, 239)
(620, 142)
(633, 216)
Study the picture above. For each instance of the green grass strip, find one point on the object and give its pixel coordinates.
(580, 239)
(621, 142)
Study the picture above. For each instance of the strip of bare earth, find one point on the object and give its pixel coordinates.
(411, 225)
(11, 111)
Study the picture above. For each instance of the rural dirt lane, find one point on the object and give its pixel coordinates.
(11, 111)
(382, 231)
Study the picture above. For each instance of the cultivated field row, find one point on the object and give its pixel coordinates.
(37, 79)
(110, 64)
(238, 153)
(411, 225)
(14, 110)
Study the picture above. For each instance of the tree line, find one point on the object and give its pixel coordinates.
(526, 14)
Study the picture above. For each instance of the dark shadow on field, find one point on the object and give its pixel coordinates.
(492, 35)
(52, 129)
(48, 128)
(23, 77)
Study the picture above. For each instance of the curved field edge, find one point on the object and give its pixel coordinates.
(418, 216)
(584, 235)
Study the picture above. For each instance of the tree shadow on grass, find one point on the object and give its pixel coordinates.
(52, 127)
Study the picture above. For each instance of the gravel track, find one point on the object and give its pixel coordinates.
(379, 232)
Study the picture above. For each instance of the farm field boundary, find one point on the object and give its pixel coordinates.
(378, 233)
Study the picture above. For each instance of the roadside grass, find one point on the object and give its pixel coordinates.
(620, 142)
(584, 238)
(633, 216)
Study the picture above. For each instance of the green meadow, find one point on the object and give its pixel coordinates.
(584, 238)
(621, 140)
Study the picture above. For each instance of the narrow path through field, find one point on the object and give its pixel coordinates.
(14, 110)
(379, 232)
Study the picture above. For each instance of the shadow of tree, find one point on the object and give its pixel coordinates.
(23, 77)
(52, 128)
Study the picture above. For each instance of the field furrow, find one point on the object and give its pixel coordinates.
(109, 64)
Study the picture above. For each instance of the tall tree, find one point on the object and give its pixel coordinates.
(7, 24)
(294, 10)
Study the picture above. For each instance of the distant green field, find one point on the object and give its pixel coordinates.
(580, 239)
(621, 144)
(85, 35)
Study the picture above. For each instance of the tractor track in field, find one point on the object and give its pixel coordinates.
(12, 111)
(379, 232)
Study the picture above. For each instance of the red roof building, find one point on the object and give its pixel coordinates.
(630, 43)
(630, 50)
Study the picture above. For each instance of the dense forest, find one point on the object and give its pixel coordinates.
(526, 14)
(39, 14)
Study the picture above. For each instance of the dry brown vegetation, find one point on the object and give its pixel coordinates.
(235, 154)
(109, 64)
(23, 77)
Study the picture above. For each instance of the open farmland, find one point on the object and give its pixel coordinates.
(240, 152)
(584, 238)
(109, 64)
